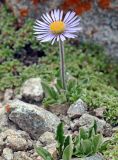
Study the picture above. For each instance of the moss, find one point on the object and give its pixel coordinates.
(112, 148)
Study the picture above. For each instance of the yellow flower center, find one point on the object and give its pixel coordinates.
(57, 27)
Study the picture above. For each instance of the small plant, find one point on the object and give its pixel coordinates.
(64, 143)
(64, 146)
(54, 94)
(86, 143)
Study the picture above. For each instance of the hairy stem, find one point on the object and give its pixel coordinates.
(62, 64)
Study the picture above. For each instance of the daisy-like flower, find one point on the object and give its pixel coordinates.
(56, 26)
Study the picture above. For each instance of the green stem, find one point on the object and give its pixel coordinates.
(62, 64)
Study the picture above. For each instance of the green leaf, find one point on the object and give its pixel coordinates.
(70, 85)
(97, 142)
(68, 152)
(86, 146)
(60, 138)
(83, 133)
(93, 129)
(95, 126)
(67, 141)
(104, 146)
(59, 85)
(49, 91)
(44, 153)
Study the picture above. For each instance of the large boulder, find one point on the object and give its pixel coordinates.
(32, 119)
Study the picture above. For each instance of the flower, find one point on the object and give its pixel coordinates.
(55, 26)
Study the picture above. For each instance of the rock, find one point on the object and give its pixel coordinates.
(16, 140)
(99, 112)
(1, 105)
(32, 119)
(94, 157)
(74, 125)
(7, 154)
(52, 150)
(31, 8)
(21, 156)
(107, 131)
(3, 119)
(2, 144)
(32, 90)
(47, 138)
(60, 109)
(38, 143)
(87, 120)
(33, 154)
(8, 94)
(115, 129)
(77, 109)
(39, 158)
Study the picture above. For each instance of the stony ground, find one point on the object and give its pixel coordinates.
(25, 126)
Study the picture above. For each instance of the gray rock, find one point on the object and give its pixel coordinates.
(32, 119)
(74, 125)
(47, 138)
(38, 143)
(115, 129)
(7, 154)
(3, 119)
(94, 157)
(32, 90)
(99, 112)
(59, 109)
(16, 140)
(1, 105)
(20, 155)
(87, 120)
(107, 131)
(2, 144)
(52, 150)
(77, 109)
(31, 7)
(8, 94)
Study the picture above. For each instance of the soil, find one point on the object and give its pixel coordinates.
(28, 56)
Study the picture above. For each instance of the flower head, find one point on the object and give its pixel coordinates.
(56, 26)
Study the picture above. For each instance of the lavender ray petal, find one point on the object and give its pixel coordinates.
(66, 16)
(61, 15)
(70, 17)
